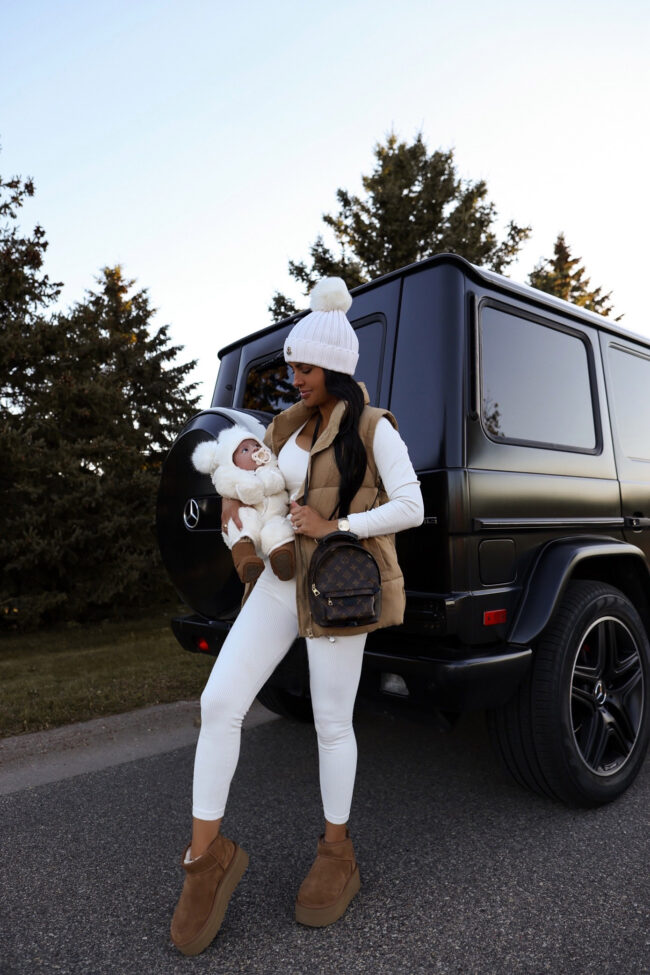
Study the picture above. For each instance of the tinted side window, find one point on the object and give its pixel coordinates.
(535, 383)
(268, 383)
(630, 374)
(371, 337)
(268, 386)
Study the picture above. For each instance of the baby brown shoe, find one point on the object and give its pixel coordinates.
(283, 561)
(247, 562)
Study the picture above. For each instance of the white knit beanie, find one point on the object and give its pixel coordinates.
(325, 337)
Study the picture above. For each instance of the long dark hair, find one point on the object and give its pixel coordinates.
(350, 454)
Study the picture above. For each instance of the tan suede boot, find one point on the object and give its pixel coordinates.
(283, 561)
(247, 562)
(209, 884)
(330, 885)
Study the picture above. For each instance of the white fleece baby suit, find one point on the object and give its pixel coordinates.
(263, 491)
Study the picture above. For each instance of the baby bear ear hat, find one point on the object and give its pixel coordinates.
(325, 337)
(210, 454)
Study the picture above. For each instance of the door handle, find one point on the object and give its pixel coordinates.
(636, 522)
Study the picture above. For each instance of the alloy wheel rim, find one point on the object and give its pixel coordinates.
(607, 696)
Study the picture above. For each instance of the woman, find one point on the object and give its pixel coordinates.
(360, 479)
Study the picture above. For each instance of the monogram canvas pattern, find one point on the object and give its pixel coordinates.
(344, 583)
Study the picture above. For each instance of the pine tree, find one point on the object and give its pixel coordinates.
(88, 439)
(564, 276)
(415, 205)
(26, 293)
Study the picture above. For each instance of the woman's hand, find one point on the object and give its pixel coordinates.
(308, 522)
(230, 509)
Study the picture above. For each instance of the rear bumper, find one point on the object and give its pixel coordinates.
(463, 683)
(199, 635)
(455, 685)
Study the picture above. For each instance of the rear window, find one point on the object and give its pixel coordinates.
(630, 372)
(536, 383)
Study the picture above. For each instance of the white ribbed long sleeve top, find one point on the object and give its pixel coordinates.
(404, 509)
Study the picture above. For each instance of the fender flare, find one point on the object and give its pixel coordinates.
(550, 574)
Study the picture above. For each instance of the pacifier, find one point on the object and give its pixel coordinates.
(262, 455)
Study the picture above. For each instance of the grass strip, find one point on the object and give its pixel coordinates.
(54, 677)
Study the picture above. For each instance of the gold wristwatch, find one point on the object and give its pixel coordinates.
(344, 525)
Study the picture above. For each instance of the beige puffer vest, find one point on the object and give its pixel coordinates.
(323, 497)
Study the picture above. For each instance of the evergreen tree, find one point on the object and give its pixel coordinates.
(25, 294)
(87, 442)
(415, 205)
(564, 276)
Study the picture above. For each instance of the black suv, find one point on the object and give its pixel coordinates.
(528, 590)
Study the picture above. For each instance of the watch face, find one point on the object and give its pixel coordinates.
(344, 525)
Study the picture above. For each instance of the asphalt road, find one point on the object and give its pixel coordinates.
(462, 872)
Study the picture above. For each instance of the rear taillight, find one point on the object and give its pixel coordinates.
(493, 616)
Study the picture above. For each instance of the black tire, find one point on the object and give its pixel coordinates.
(511, 732)
(578, 728)
(297, 707)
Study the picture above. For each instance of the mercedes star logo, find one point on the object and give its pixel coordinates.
(191, 514)
(600, 693)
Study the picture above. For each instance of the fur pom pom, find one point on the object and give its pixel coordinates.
(330, 294)
(205, 456)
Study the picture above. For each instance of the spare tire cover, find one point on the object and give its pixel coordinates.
(188, 520)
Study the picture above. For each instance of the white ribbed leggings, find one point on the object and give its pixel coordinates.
(260, 637)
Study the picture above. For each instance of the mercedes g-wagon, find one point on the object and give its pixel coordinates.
(527, 585)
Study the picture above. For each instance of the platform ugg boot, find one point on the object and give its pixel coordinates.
(247, 562)
(209, 884)
(330, 885)
(283, 561)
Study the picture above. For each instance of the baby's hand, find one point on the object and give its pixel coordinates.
(251, 490)
(271, 478)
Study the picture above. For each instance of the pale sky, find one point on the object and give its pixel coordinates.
(199, 143)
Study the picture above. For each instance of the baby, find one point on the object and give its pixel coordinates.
(243, 468)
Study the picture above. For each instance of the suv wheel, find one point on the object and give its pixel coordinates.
(578, 728)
